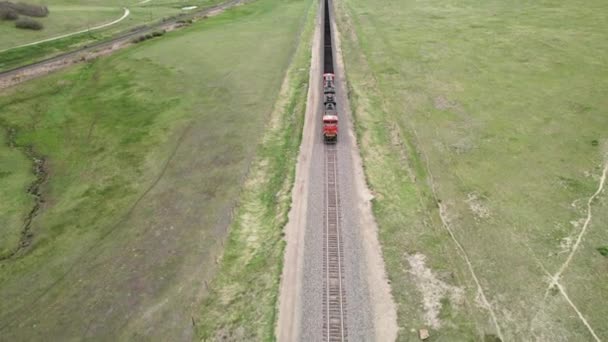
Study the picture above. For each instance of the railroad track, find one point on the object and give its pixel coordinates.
(334, 297)
(334, 294)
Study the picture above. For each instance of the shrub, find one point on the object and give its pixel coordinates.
(603, 250)
(26, 9)
(8, 14)
(148, 36)
(28, 24)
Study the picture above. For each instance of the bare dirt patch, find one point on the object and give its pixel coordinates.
(442, 103)
(479, 209)
(433, 289)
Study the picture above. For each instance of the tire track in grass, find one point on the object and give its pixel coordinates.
(465, 256)
(554, 278)
(580, 315)
(561, 289)
(102, 238)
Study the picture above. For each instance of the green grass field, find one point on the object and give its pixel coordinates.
(21, 56)
(492, 114)
(242, 303)
(15, 177)
(62, 20)
(146, 155)
(68, 16)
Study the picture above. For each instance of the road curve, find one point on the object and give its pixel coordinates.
(125, 14)
(12, 77)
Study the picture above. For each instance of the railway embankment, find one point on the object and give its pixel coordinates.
(334, 286)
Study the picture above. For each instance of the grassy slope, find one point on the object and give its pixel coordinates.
(61, 20)
(15, 177)
(502, 103)
(242, 304)
(29, 54)
(147, 153)
(69, 16)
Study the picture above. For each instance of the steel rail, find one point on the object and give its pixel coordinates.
(334, 298)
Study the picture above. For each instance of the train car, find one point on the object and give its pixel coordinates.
(330, 113)
(330, 123)
(330, 128)
(329, 98)
(329, 77)
(329, 84)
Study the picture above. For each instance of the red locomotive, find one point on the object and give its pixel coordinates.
(330, 114)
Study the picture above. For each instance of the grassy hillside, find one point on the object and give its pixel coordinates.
(145, 153)
(15, 178)
(67, 16)
(483, 130)
(61, 20)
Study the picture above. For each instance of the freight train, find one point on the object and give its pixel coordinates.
(330, 114)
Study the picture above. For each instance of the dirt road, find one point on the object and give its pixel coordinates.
(371, 313)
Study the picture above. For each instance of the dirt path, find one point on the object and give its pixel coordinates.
(555, 278)
(125, 14)
(289, 298)
(558, 274)
(446, 224)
